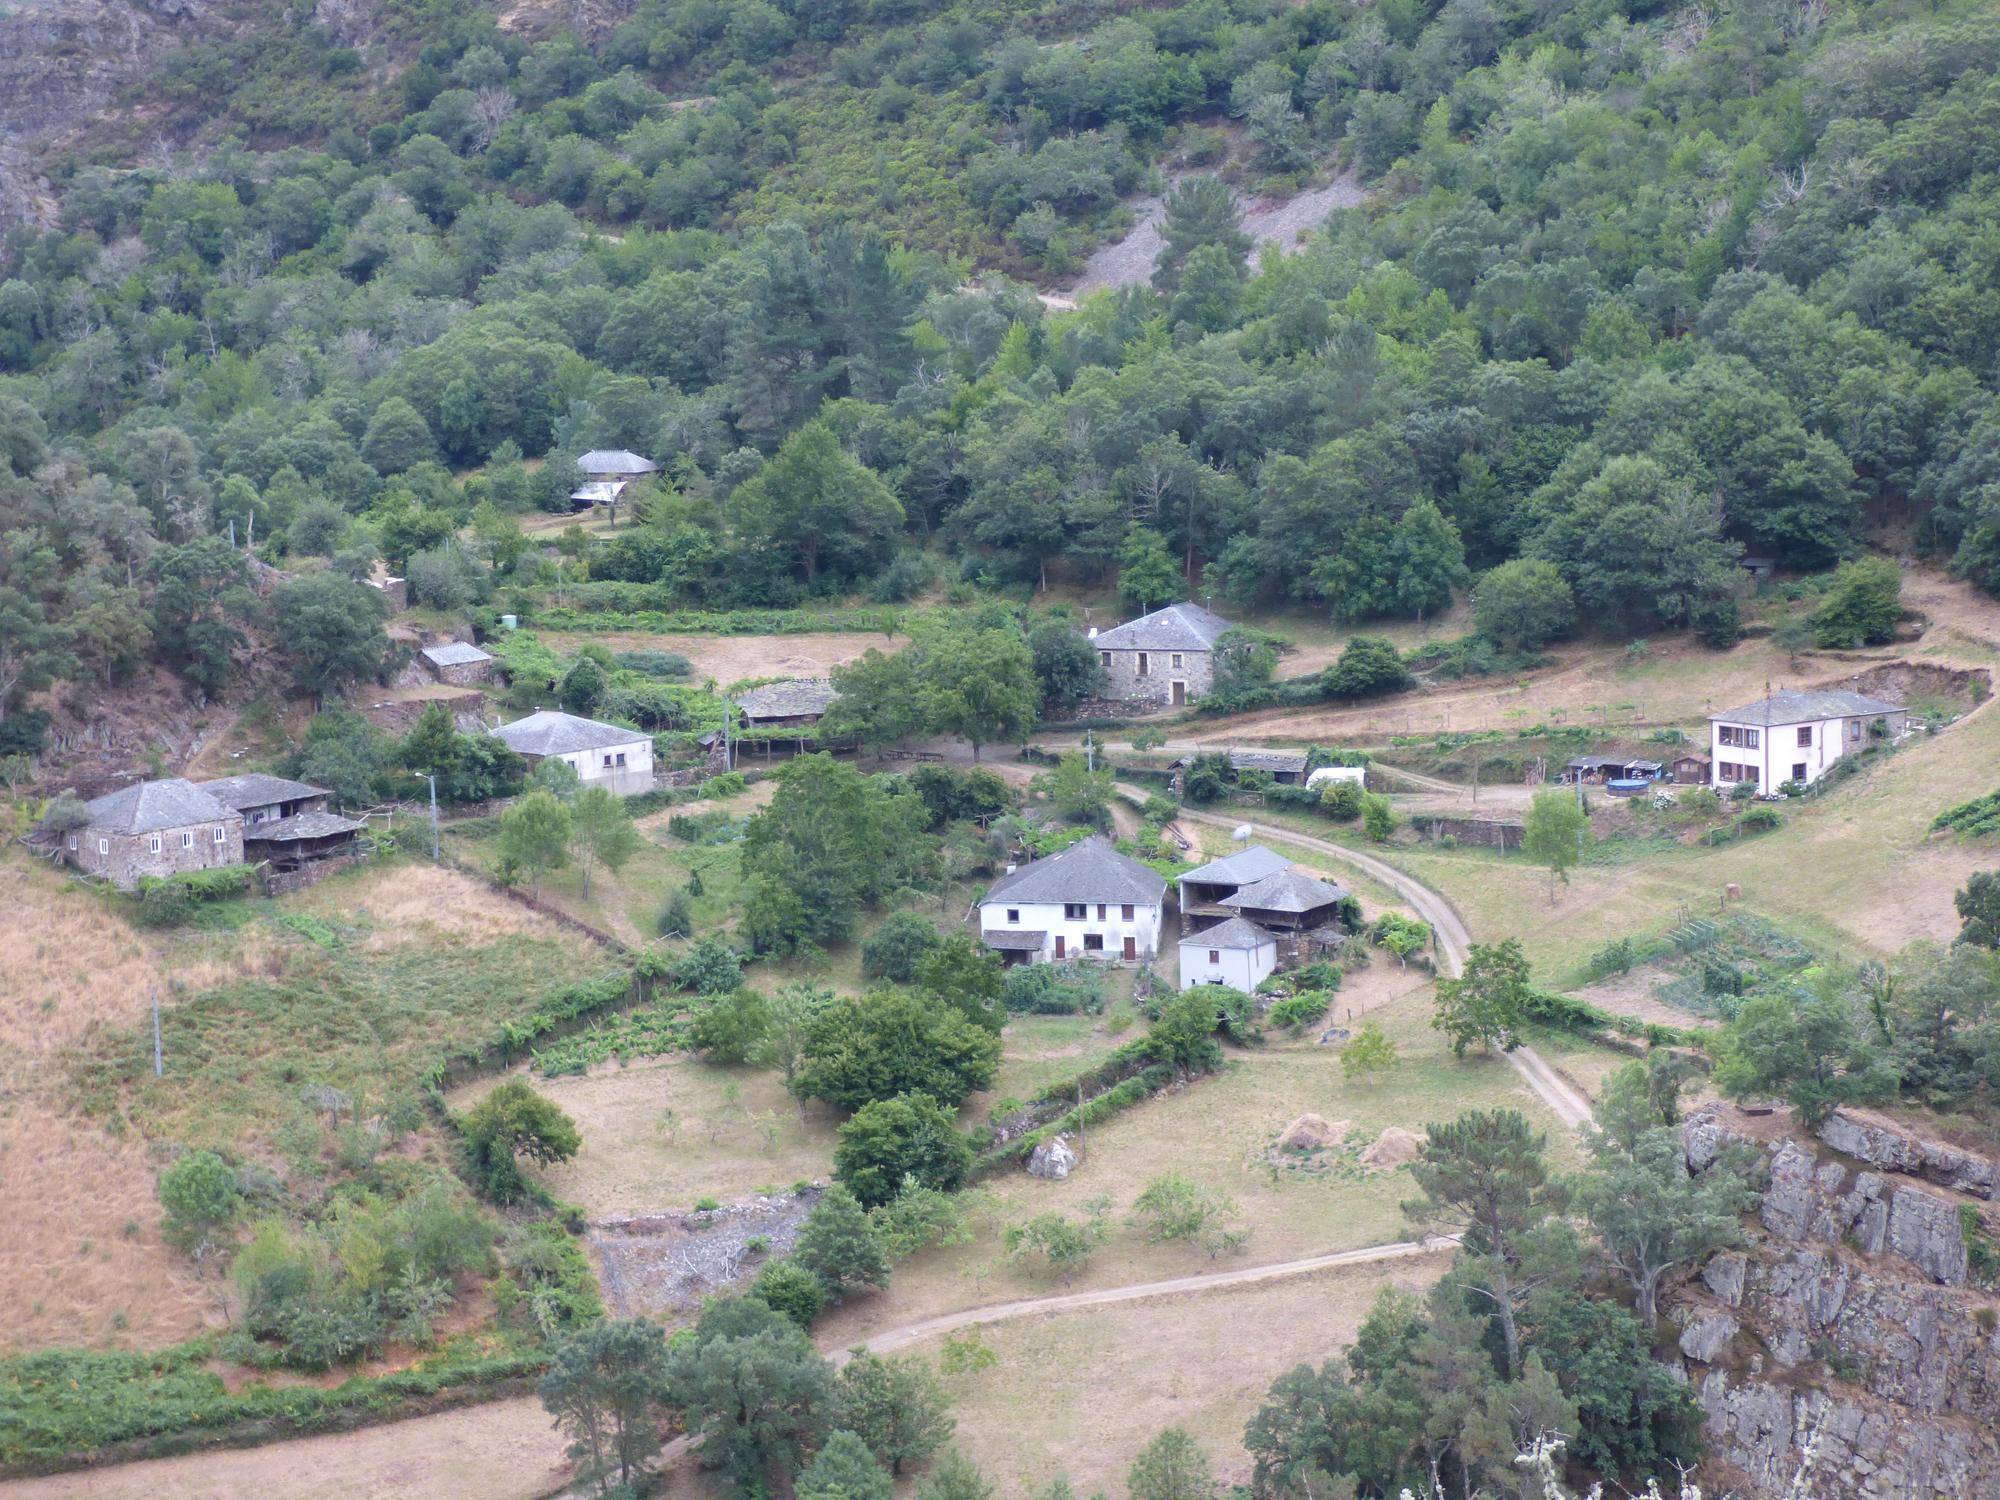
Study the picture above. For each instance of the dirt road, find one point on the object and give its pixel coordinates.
(1454, 940)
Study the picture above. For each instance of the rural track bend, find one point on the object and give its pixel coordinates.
(1454, 940)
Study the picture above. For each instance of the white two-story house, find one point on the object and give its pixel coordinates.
(1089, 901)
(1794, 736)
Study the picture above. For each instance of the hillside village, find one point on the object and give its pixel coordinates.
(908, 751)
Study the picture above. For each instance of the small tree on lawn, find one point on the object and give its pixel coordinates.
(895, 1406)
(956, 1477)
(1487, 1002)
(604, 1388)
(839, 1245)
(1556, 830)
(601, 832)
(511, 1122)
(1173, 1209)
(1063, 1243)
(1171, 1467)
(788, 1022)
(534, 836)
(788, 1287)
(1368, 1052)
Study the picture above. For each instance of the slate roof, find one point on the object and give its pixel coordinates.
(548, 731)
(1234, 933)
(258, 790)
(788, 700)
(306, 825)
(1267, 760)
(1805, 706)
(1241, 868)
(455, 654)
(1286, 891)
(1178, 627)
(152, 805)
(1090, 870)
(615, 461)
(1014, 939)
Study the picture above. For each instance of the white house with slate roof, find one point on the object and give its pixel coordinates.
(1236, 953)
(1795, 736)
(1089, 901)
(1166, 657)
(600, 754)
(168, 827)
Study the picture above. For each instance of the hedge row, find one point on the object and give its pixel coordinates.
(568, 1007)
(639, 607)
(1567, 1013)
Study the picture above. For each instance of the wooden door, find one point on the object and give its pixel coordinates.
(1131, 948)
(1180, 695)
(1059, 946)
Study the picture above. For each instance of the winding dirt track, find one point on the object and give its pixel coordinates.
(1453, 940)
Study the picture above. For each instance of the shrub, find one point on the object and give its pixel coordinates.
(709, 967)
(787, 1287)
(1367, 668)
(1862, 605)
(840, 1246)
(894, 950)
(200, 1196)
(732, 1028)
(1343, 801)
(1051, 990)
(511, 1122)
(1296, 1012)
(911, 1138)
(1759, 820)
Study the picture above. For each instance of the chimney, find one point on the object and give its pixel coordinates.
(1091, 635)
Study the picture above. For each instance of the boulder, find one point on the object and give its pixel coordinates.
(1312, 1133)
(1707, 1336)
(1053, 1159)
(1394, 1147)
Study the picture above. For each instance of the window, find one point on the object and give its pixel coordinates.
(1798, 770)
(104, 846)
(1125, 912)
(1177, 661)
(1805, 736)
(1728, 770)
(187, 841)
(1215, 955)
(621, 759)
(153, 844)
(221, 835)
(1105, 657)
(1854, 730)
(1737, 735)
(1100, 911)
(1093, 942)
(1075, 911)
(1014, 915)
(1145, 664)
(72, 843)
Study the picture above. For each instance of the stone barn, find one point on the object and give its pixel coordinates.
(170, 827)
(459, 663)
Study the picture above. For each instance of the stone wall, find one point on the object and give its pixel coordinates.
(128, 856)
(1197, 670)
(1849, 1317)
(461, 673)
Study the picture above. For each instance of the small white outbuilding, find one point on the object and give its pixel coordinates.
(1356, 774)
(1235, 952)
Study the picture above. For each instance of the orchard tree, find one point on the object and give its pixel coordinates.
(601, 832)
(513, 1121)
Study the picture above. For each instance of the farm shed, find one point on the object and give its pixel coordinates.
(459, 663)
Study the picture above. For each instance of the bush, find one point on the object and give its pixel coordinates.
(1343, 801)
(909, 1138)
(1759, 820)
(895, 950)
(511, 1122)
(787, 1287)
(1862, 606)
(709, 967)
(1296, 1012)
(200, 1196)
(732, 1028)
(1367, 668)
(1052, 990)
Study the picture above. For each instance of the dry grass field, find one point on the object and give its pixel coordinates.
(735, 658)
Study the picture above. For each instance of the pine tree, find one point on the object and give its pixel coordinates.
(840, 1245)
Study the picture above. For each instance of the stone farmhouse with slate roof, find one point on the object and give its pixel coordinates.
(1166, 657)
(459, 663)
(601, 754)
(1795, 736)
(169, 827)
(1089, 901)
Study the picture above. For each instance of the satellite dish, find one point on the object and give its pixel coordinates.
(1242, 833)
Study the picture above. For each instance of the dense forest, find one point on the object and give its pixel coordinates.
(1635, 290)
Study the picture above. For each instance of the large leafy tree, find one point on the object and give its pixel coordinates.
(832, 841)
(752, 1391)
(1554, 834)
(604, 1388)
(864, 1048)
(1488, 1001)
(818, 507)
(332, 631)
(908, 1139)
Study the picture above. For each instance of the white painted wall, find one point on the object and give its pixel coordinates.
(635, 776)
(1778, 752)
(1240, 968)
(1113, 927)
(1356, 774)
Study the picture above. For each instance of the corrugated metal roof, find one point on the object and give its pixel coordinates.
(1806, 706)
(258, 790)
(551, 732)
(152, 805)
(1234, 933)
(615, 461)
(456, 654)
(1253, 862)
(1090, 870)
(1287, 891)
(788, 700)
(1178, 627)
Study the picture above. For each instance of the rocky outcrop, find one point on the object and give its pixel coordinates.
(1848, 1321)
(1052, 1159)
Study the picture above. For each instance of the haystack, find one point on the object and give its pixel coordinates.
(1312, 1133)
(1394, 1147)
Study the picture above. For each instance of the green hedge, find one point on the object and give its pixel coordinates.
(60, 1406)
(564, 1009)
(1567, 1013)
(616, 606)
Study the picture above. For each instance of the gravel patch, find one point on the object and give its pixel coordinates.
(672, 1262)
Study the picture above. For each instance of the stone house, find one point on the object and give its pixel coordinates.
(169, 827)
(1089, 901)
(1204, 889)
(286, 824)
(1795, 736)
(1166, 657)
(601, 754)
(459, 663)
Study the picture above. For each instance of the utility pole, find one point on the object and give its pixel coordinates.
(431, 777)
(159, 1058)
(728, 723)
(1090, 750)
